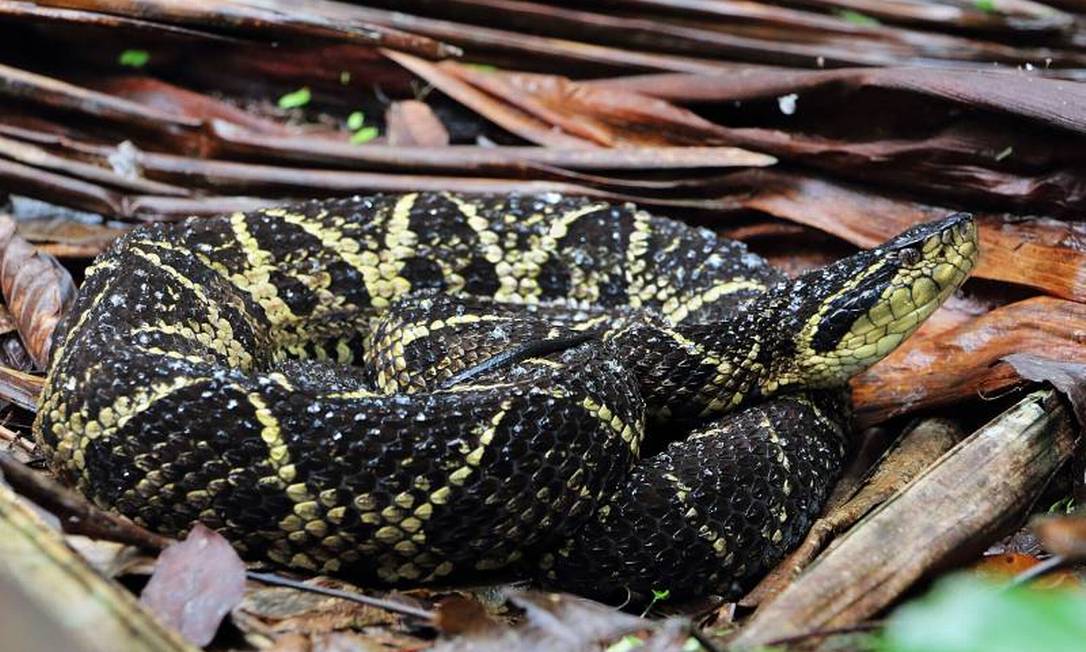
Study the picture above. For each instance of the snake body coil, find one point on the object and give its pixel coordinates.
(415, 387)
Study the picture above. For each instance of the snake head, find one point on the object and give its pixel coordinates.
(847, 316)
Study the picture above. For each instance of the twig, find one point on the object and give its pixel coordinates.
(1037, 570)
(380, 603)
(77, 514)
(17, 441)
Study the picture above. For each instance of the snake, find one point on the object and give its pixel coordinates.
(427, 387)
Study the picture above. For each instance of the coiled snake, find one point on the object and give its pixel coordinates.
(417, 387)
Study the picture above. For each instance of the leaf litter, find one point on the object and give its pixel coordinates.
(737, 116)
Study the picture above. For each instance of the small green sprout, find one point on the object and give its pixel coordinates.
(987, 6)
(1007, 151)
(364, 135)
(295, 99)
(658, 595)
(356, 120)
(344, 77)
(625, 644)
(134, 58)
(856, 18)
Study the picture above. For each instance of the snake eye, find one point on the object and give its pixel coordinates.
(909, 256)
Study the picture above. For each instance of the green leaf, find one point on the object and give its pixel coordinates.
(356, 120)
(1007, 151)
(658, 595)
(134, 58)
(364, 135)
(965, 614)
(1065, 505)
(856, 18)
(295, 99)
(625, 644)
(987, 6)
(344, 77)
(691, 645)
(481, 67)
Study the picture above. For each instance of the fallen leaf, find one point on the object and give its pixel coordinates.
(277, 610)
(553, 621)
(195, 584)
(1062, 535)
(461, 615)
(960, 363)
(1068, 377)
(413, 123)
(37, 290)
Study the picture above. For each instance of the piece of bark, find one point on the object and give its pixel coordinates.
(411, 123)
(914, 452)
(77, 515)
(310, 20)
(471, 159)
(20, 388)
(55, 93)
(950, 513)
(77, 603)
(41, 158)
(962, 362)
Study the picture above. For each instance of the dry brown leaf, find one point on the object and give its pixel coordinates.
(1066, 376)
(37, 289)
(553, 621)
(413, 123)
(608, 117)
(504, 115)
(195, 584)
(277, 610)
(1007, 565)
(1062, 534)
(67, 237)
(961, 363)
(458, 614)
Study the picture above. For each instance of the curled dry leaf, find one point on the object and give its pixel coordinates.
(458, 614)
(413, 123)
(1062, 535)
(553, 621)
(1007, 565)
(273, 611)
(37, 290)
(1067, 376)
(195, 584)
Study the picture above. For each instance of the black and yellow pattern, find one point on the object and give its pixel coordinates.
(412, 387)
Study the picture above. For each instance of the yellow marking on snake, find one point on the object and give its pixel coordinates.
(676, 311)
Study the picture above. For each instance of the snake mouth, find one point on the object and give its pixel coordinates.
(891, 291)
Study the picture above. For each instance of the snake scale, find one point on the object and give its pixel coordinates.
(422, 387)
